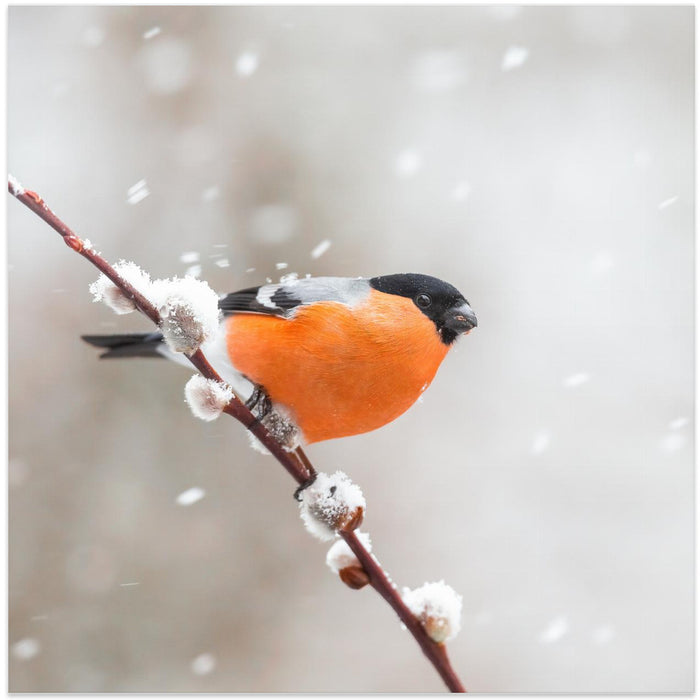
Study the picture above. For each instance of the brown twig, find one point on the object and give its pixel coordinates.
(296, 463)
(437, 653)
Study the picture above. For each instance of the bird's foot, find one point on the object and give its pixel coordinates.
(303, 486)
(259, 403)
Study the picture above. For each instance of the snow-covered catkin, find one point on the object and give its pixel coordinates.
(330, 504)
(189, 309)
(103, 289)
(341, 559)
(282, 428)
(207, 398)
(438, 608)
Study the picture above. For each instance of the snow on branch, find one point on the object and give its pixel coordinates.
(207, 398)
(104, 290)
(438, 608)
(341, 560)
(330, 504)
(15, 186)
(189, 309)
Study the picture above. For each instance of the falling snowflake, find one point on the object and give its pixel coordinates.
(555, 630)
(152, 32)
(247, 64)
(668, 202)
(203, 664)
(540, 443)
(514, 57)
(407, 163)
(575, 380)
(191, 496)
(320, 249)
(137, 192)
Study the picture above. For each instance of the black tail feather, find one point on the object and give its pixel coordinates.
(127, 345)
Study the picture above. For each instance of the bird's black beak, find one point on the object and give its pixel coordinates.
(460, 319)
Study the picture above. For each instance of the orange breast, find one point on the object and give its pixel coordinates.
(340, 371)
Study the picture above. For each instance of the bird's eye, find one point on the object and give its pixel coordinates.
(423, 301)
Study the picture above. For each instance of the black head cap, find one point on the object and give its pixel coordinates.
(442, 303)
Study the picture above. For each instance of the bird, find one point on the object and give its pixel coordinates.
(340, 356)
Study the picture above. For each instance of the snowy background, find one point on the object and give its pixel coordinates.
(541, 160)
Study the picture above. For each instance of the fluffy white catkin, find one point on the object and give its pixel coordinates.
(104, 290)
(329, 504)
(438, 607)
(207, 398)
(189, 310)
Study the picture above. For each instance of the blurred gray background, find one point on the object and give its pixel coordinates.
(541, 160)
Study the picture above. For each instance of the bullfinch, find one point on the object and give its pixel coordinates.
(339, 355)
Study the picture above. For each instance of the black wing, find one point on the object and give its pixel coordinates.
(278, 301)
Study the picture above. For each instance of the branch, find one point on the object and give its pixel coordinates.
(296, 463)
(437, 653)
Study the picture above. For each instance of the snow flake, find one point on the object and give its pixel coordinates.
(668, 202)
(678, 423)
(191, 256)
(514, 57)
(152, 32)
(540, 443)
(187, 498)
(223, 262)
(247, 64)
(320, 249)
(673, 442)
(555, 630)
(203, 664)
(438, 608)
(461, 190)
(137, 192)
(281, 266)
(407, 163)
(576, 379)
(26, 649)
